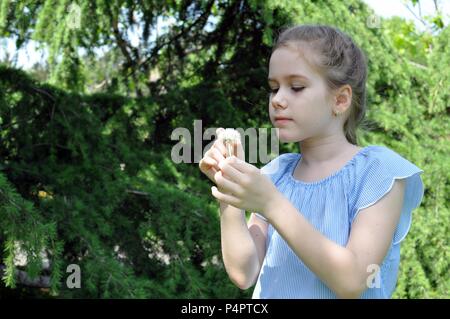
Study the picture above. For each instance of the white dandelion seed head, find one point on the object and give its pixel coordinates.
(229, 135)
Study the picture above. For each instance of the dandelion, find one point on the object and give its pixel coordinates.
(230, 137)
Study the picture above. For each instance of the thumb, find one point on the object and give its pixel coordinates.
(218, 130)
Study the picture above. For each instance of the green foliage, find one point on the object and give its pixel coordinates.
(23, 229)
(94, 170)
(124, 213)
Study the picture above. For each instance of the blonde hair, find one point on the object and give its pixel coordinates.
(339, 60)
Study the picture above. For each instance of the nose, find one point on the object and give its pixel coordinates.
(278, 101)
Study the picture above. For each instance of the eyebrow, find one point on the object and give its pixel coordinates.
(290, 76)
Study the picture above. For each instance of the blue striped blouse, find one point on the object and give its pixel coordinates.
(331, 205)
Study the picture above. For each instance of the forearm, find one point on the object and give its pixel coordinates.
(335, 265)
(238, 249)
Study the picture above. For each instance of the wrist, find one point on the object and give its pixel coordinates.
(228, 208)
(273, 206)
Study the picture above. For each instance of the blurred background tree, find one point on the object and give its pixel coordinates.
(85, 171)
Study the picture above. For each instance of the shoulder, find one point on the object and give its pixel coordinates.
(374, 176)
(383, 162)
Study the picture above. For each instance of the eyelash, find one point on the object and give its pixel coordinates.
(295, 89)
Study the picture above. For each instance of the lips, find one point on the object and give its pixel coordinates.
(281, 121)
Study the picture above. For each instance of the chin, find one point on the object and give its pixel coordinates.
(287, 138)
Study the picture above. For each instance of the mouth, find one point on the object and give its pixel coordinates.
(282, 120)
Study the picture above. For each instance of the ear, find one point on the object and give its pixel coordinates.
(342, 99)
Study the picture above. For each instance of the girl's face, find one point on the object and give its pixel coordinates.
(299, 94)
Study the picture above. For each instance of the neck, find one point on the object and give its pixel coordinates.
(316, 151)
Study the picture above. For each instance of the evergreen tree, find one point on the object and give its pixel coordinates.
(86, 175)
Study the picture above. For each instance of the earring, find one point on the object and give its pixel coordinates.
(336, 113)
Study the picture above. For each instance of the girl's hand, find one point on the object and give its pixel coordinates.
(209, 164)
(242, 185)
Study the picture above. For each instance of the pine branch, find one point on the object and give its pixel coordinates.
(154, 55)
(23, 278)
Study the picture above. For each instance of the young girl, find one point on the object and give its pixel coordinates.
(328, 222)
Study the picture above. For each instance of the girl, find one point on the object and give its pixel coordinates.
(327, 222)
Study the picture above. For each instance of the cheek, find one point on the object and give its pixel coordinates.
(270, 111)
(311, 115)
(316, 106)
(305, 108)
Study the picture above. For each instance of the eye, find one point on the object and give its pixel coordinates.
(295, 89)
(273, 90)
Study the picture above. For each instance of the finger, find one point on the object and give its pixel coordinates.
(218, 130)
(230, 172)
(220, 142)
(226, 185)
(208, 169)
(221, 147)
(225, 198)
(241, 165)
(216, 154)
(210, 161)
(211, 154)
(239, 150)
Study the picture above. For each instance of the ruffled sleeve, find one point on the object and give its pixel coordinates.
(275, 170)
(375, 175)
